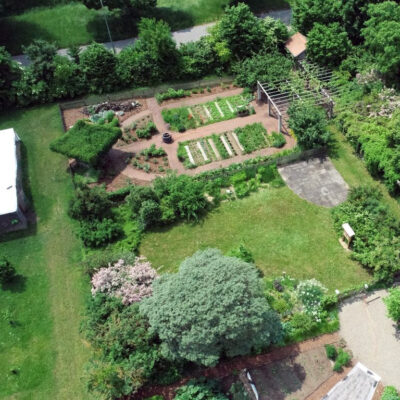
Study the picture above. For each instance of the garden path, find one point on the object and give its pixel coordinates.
(229, 367)
(372, 336)
(261, 115)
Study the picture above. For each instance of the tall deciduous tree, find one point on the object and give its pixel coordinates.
(98, 67)
(243, 33)
(308, 12)
(153, 58)
(328, 44)
(213, 306)
(382, 36)
(309, 124)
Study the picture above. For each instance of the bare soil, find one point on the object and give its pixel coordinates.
(75, 114)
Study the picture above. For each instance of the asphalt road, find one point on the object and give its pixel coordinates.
(183, 36)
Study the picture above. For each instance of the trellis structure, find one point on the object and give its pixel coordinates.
(309, 82)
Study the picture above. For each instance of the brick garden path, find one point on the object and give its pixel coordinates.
(155, 109)
(228, 367)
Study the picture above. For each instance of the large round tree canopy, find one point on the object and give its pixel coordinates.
(213, 306)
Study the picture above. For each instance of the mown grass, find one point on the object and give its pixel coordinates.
(283, 232)
(42, 343)
(74, 24)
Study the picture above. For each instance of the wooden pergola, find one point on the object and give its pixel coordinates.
(309, 82)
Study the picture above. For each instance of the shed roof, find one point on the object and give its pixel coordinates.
(297, 44)
(8, 171)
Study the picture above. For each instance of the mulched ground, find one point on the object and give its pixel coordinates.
(230, 367)
(75, 114)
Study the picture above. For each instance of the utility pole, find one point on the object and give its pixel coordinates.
(108, 28)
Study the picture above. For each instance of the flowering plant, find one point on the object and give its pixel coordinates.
(310, 293)
(129, 282)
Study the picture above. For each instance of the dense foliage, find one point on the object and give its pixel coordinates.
(87, 142)
(264, 67)
(377, 232)
(211, 287)
(327, 44)
(371, 124)
(393, 304)
(127, 353)
(309, 124)
(152, 59)
(199, 390)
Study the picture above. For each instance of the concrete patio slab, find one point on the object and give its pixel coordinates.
(316, 180)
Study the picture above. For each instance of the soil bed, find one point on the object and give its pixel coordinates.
(74, 114)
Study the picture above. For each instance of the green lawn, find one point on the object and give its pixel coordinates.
(74, 24)
(44, 346)
(284, 233)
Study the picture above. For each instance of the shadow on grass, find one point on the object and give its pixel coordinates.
(176, 19)
(15, 34)
(16, 285)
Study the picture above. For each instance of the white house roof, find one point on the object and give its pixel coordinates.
(8, 171)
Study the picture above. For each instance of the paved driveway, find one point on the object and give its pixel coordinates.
(316, 180)
(372, 336)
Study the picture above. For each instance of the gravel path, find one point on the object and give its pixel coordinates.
(182, 36)
(372, 336)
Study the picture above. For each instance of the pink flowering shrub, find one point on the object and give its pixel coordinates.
(130, 282)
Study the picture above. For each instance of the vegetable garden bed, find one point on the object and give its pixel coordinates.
(222, 146)
(183, 118)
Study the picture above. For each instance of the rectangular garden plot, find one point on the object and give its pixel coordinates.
(222, 146)
(184, 118)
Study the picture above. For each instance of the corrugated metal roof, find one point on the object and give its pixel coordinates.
(8, 171)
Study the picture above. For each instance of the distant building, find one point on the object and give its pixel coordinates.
(297, 46)
(12, 198)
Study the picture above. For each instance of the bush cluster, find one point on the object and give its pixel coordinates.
(377, 231)
(171, 94)
(390, 393)
(92, 208)
(153, 59)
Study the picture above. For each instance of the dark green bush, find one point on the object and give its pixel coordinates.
(331, 352)
(86, 142)
(199, 390)
(90, 203)
(138, 195)
(98, 233)
(149, 213)
(7, 271)
(343, 359)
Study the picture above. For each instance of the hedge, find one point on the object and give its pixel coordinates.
(86, 142)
